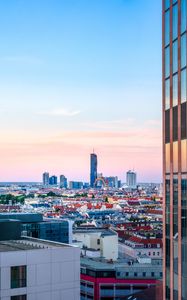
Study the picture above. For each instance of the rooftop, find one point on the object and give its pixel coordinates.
(25, 244)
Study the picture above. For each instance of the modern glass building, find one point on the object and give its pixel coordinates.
(175, 149)
(93, 169)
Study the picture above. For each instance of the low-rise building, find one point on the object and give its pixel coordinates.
(102, 280)
(32, 269)
(105, 241)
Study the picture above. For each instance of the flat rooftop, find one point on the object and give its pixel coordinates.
(25, 244)
(100, 264)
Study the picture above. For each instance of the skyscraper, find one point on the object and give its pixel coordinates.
(46, 178)
(93, 169)
(63, 182)
(175, 149)
(53, 180)
(131, 179)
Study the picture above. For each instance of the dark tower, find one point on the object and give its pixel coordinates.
(174, 79)
(93, 169)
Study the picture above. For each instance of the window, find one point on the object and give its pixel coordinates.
(127, 274)
(144, 274)
(175, 90)
(183, 85)
(175, 123)
(158, 253)
(183, 121)
(183, 15)
(184, 155)
(167, 162)
(175, 56)
(167, 94)
(167, 126)
(175, 157)
(98, 241)
(167, 28)
(167, 4)
(183, 51)
(153, 253)
(175, 21)
(20, 297)
(135, 274)
(167, 62)
(152, 274)
(18, 277)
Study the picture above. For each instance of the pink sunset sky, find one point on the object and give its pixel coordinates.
(78, 75)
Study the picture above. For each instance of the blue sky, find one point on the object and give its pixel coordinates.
(79, 66)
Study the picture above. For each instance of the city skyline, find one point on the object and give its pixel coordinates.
(71, 79)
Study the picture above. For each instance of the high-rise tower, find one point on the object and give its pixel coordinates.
(175, 149)
(46, 178)
(93, 169)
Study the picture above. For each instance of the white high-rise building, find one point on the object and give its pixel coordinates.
(131, 179)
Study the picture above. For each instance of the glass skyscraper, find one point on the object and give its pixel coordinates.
(93, 169)
(175, 149)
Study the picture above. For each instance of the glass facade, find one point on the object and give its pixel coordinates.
(175, 150)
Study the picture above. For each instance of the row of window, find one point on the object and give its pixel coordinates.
(174, 85)
(175, 128)
(144, 274)
(175, 19)
(175, 55)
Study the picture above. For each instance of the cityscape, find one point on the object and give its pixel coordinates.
(108, 223)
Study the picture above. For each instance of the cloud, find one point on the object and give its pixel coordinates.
(60, 112)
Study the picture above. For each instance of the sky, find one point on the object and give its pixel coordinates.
(77, 75)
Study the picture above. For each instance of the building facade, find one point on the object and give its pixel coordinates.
(131, 179)
(102, 280)
(32, 269)
(46, 178)
(53, 180)
(63, 182)
(93, 169)
(175, 149)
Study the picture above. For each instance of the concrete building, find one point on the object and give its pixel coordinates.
(112, 181)
(104, 280)
(101, 240)
(63, 182)
(75, 185)
(46, 178)
(136, 247)
(34, 225)
(33, 269)
(175, 148)
(131, 179)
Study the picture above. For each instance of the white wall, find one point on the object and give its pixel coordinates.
(134, 252)
(52, 274)
(109, 247)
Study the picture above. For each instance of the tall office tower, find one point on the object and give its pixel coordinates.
(46, 178)
(53, 180)
(63, 182)
(131, 179)
(175, 149)
(93, 169)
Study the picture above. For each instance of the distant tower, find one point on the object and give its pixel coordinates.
(63, 182)
(131, 179)
(93, 169)
(53, 180)
(46, 178)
